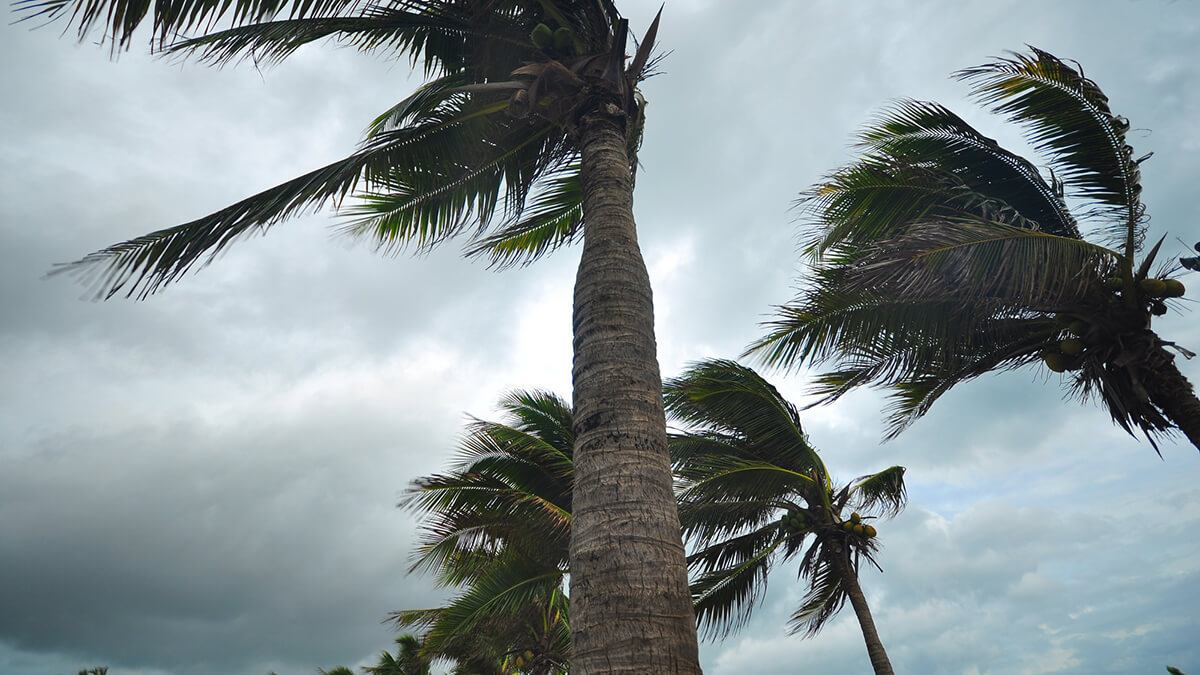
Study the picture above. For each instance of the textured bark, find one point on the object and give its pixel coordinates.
(879, 659)
(1173, 394)
(631, 611)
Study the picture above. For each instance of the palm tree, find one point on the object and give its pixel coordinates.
(753, 493)
(527, 128)
(939, 256)
(407, 661)
(499, 525)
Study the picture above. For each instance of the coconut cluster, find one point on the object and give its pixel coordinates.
(560, 42)
(793, 522)
(856, 526)
(1067, 353)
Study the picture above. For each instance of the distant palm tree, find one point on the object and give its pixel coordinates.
(753, 493)
(498, 525)
(939, 256)
(407, 661)
(523, 140)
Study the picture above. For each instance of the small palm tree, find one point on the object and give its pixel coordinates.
(498, 525)
(407, 661)
(753, 493)
(939, 256)
(522, 140)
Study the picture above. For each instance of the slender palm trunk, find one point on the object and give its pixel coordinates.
(631, 611)
(879, 659)
(1171, 391)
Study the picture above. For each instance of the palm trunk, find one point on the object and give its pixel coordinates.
(631, 611)
(879, 659)
(1171, 392)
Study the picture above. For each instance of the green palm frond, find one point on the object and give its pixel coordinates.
(740, 479)
(883, 492)
(119, 19)
(745, 505)
(550, 221)
(825, 597)
(1069, 120)
(928, 140)
(982, 260)
(725, 597)
(730, 399)
(428, 29)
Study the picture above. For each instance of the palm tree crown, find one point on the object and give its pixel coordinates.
(939, 256)
(753, 493)
(498, 525)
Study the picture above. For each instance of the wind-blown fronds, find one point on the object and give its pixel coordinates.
(1069, 120)
(883, 492)
(752, 492)
(498, 525)
(939, 256)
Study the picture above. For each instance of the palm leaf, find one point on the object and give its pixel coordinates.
(883, 491)
(1069, 120)
(725, 597)
(729, 399)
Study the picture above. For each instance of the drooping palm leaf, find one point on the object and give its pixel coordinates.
(1069, 120)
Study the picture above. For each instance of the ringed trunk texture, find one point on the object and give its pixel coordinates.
(879, 659)
(631, 610)
(1170, 391)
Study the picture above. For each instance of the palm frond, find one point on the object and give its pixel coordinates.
(826, 595)
(920, 136)
(725, 597)
(727, 398)
(1069, 120)
(551, 220)
(119, 19)
(883, 492)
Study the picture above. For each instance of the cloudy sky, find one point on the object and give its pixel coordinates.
(205, 482)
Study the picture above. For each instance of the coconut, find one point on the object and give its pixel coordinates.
(870, 531)
(1055, 361)
(1114, 283)
(854, 517)
(541, 36)
(1155, 288)
(1175, 288)
(564, 39)
(1071, 347)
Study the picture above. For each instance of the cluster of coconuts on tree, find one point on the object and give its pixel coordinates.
(793, 522)
(856, 526)
(1067, 354)
(559, 42)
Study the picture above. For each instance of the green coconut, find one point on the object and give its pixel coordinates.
(1175, 288)
(1155, 288)
(870, 531)
(1071, 347)
(1056, 361)
(564, 39)
(541, 36)
(1114, 283)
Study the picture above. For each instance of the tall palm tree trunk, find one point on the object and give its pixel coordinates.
(631, 611)
(1171, 391)
(879, 659)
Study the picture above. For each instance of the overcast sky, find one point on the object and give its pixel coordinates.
(205, 482)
